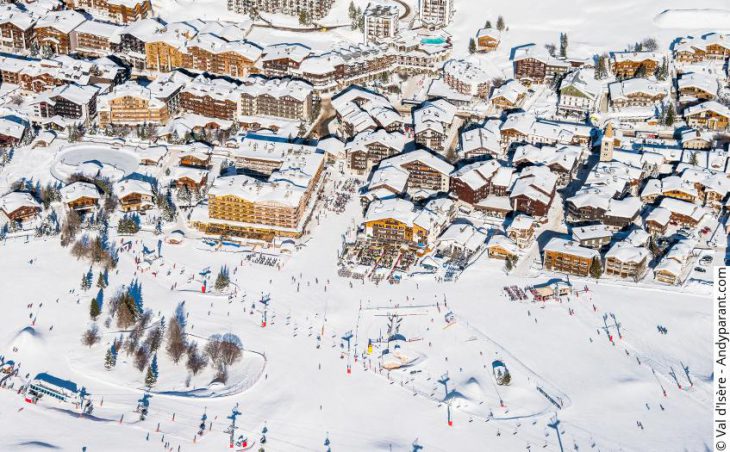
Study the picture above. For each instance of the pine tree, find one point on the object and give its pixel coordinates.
(151, 377)
(670, 115)
(86, 280)
(223, 279)
(500, 23)
(94, 309)
(111, 358)
(488, 24)
(596, 269)
(100, 282)
(303, 17)
(508, 264)
(472, 45)
(563, 45)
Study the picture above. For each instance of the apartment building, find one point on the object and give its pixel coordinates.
(381, 22)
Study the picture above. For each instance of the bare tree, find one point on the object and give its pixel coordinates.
(196, 361)
(175, 341)
(91, 336)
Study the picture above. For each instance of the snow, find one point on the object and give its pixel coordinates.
(293, 378)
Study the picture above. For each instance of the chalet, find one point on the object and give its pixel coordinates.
(502, 247)
(713, 46)
(96, 39)
(134, 195)
(208, 52)
(465, 78)
(533, 191)
(432, 120)
(696, 87)
(710, 115)
(668, 271)
(370, 147)
(487, 39)
(562, 160)
(509, 95)
(12, 130)
(119, 11)
(696, 139)
(522, 230)
(16, 28)
(194, 179)
(683, 213)
(595, 236)
(627, 261)
(386, 182)
(495, 206)
(579, 93)
(279, 59)
(19, 206)
(565, 256)
(460, 239)
(196, 156)
(53, 31)
(474, 182)
(636, 92)
(531, 66)
(277, 98)
(72, 101)
(399, 221)
(481, 141)
(657, 221)
(359, 109)
(151, 155)
(426, 171)
(213, 98)
(634, 64)
(526, 128)
(80, 196)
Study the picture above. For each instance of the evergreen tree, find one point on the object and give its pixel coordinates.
(100, 282)
(500, 23)
(86, 280)
(151, 377)
(670, 115)
(563, 45)
(135, 291)
(596, 269)
(223, 279)
(94, 309)
(488, 24)
(111, 358)
(303, 19)
(100, 298)
(472, 45)
(640, 71)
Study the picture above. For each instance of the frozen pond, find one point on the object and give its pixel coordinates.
(94, 160)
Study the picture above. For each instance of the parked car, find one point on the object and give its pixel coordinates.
(700, 269)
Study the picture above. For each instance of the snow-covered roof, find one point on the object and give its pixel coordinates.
(627, 253)
(561, 245)
(16, 200)
(276, 87)
(636, 57)
(711, 105)
(510, 91)
(597, 231)
(127, 187)
(627, 88)
(79, 190)
(477, 174)
(683, 208)
(504, 242)
(64, 21)
(423, 156)
(486, 137)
